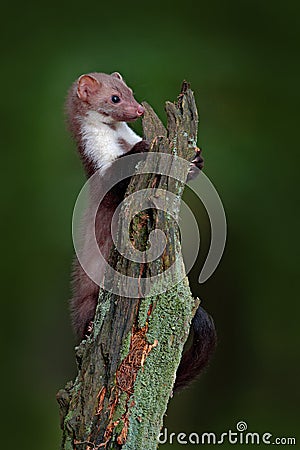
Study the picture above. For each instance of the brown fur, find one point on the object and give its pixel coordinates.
(85, 291)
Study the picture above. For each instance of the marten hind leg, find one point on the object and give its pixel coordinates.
(84, 302)
(83, 312)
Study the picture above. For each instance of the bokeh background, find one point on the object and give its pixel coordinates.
(242, 60)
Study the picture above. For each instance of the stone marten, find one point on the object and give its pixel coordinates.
(98, 108)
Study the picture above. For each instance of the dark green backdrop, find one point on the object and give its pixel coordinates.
(242, 60)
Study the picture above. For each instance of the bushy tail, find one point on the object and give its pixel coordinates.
(197, 357)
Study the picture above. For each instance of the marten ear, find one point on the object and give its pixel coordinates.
(86, 86)
(116, 75)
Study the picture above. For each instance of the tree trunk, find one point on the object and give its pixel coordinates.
(127, 367)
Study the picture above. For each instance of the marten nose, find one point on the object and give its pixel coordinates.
(140, 110)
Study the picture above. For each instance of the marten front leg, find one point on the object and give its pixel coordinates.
(197, 163)
(140, 147)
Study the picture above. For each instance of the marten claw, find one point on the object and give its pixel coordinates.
(196, 165)
(89, 329)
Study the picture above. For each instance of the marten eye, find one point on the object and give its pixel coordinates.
(115, 99)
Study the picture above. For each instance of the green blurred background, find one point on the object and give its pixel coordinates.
(242, 61)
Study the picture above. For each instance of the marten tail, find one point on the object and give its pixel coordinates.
(196, 358)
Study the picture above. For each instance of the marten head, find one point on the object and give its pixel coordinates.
(108, 95)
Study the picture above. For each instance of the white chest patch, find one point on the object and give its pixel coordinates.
(101, 139)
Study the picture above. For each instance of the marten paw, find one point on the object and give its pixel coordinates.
(196, 165)
(141, 147)
(88, 329)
